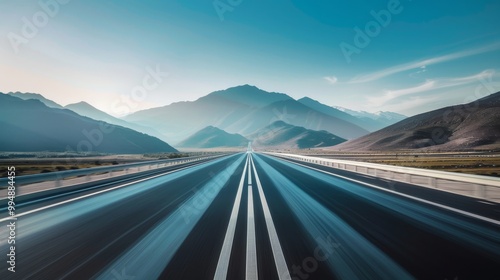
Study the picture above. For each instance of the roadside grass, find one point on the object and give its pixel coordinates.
(478, 165)
(36, 163)
(29, 168)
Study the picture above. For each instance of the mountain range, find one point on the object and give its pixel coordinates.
(229, 117)
(285, 136)
(87, 110)
(213, 137)
(243, 110)
(278, 135)
(369, 121)
(472, 126)
(238, 110)
(31, 126)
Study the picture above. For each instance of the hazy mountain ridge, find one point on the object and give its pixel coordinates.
(36, 96)
(30, 125)
(244, 110)
(374, 116)
(85, 109)
(297, 114)
(180, 120)
(251, 96)
(285, 136)
(471, 126)
(213, 137)
(370, 124)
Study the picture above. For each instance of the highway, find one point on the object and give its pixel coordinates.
(253, 216)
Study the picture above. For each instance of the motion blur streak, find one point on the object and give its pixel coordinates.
(440, 222)
(354, 257)
(149, 257)
(52, 217)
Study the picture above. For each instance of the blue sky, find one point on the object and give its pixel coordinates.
(427, 55)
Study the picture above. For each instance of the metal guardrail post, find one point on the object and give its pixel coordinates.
(432, 182)
(408, 178)
(478, 186)
(87, 173)
(480, 191)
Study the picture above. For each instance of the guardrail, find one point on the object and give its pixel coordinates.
(57, 177)
(484, 187)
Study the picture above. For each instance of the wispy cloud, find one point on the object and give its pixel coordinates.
(423, 63)
(428, 85)
(411, 103)
(393, 94)
(331, 79)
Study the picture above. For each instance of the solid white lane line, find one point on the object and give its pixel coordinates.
(251, 261)
(225, 254)
(486, 202)
(249, 173)
(465, 213)
(92, 194)
(279, 257)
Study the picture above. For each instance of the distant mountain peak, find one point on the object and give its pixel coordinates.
(249, 95)
(283, 135)
(392, 117)
(308, 99)
(86, 109)
(210, 128)
(280, 123)
(352, 112)
(388, 114)
(244, 89)
(213, 137)
(248, 86)
(81, 103)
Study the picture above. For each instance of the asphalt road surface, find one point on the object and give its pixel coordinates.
(252, 216)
